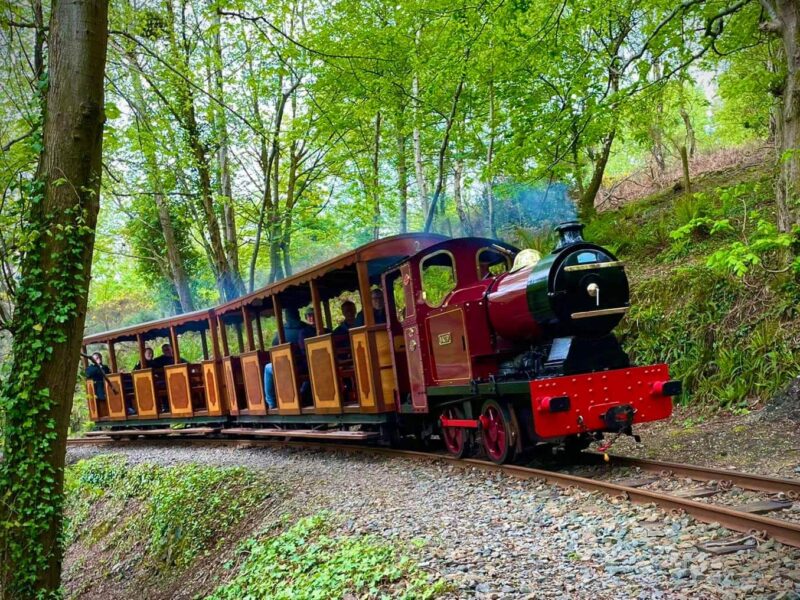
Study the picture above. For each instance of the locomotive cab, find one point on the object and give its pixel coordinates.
(509, 355)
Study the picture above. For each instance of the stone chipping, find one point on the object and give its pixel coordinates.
(493, 536)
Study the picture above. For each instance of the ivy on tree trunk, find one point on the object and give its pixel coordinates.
(55, 267)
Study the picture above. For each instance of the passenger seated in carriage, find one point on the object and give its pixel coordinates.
(148, 360)
(97, 371)
(376, 296)
(310, 319)
(295, 332)
(340, 334)
(167, 358)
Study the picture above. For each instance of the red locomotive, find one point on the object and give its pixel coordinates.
(482, 345)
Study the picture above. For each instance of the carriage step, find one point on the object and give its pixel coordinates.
(306, 433)
(162, 432)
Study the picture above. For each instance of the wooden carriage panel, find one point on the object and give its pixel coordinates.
(145, 389)
(115, 398)
(287, 390)
(91, 400)
(253, 374)
(179, 390)
(384, 352)
(362, 359)
(230, 384)
(324, 378)
(211, 380)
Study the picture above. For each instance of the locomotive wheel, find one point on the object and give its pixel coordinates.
(457, 439)
(500, 432)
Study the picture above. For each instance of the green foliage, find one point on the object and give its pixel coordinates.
(715, 295)
(181, 512)
(310, 561)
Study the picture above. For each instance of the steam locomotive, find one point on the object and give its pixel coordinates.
(477, 343)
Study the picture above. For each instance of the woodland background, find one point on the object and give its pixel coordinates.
(247, 140)
(171, 154)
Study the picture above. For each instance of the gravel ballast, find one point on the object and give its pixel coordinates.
(492, 536)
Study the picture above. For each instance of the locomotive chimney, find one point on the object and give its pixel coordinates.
(569, 233)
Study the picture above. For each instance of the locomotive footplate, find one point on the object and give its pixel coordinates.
(601, 401)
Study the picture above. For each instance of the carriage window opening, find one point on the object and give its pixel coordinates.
(438, 277)
(399, 296)
(492, 263)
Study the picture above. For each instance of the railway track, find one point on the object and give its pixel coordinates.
(718, 500)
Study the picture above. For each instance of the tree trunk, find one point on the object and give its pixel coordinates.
(443, 152)
(51, 303)
(687, 182)
(186, 114)
(376, 182)
(657, 149)
(691, 138)
(587, 200)
(419, 167)
(402, 179)
(291, 198)
(576, 159)
(175, 270)
(490, 163)
(225, 189)
(179, 279)
(788, 185)
(458, 172)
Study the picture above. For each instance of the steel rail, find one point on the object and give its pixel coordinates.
(783, 531)
(748, 481)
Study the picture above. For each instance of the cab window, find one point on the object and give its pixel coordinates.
(438, 277)
(492, 262)
(399, 297)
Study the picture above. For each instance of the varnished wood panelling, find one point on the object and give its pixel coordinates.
(286, 390)
(91, 400)
(116, 402)
(230, 386)
(364, 373)
(253, 374)
(388, 381)
(211, 381)
(324, 379)
(178, 389)
(145, 394)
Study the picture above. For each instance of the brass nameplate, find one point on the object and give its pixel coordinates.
(445, 338)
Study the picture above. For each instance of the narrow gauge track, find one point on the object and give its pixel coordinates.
(781, 530)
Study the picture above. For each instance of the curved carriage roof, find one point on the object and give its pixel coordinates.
(334, 273)
(193, 321)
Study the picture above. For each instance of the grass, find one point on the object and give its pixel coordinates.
(713, 290)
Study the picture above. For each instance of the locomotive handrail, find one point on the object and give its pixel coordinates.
(595, 265)
(601, 312)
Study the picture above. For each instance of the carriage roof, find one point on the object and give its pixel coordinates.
(334, 275)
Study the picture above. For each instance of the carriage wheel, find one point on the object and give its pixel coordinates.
(499, 432)
(457, 439)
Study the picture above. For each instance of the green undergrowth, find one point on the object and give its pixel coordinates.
(174, 513)
(150, 530)
(309, 560)
(715, 289)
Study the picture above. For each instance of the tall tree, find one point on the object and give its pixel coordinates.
(784, 22)
(48, 321)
